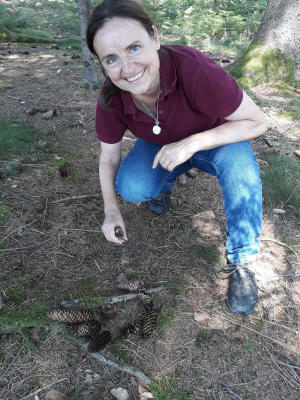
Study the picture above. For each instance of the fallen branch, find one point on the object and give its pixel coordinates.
(280, 243)
(120, 366)
(116, 299)
(87, 196)
(131, 296)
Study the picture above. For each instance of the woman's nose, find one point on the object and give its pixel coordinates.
(127, 67)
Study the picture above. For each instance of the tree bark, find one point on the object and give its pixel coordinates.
(280, 29)
(89, 66)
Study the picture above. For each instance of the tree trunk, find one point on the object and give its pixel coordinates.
(274, 53)
(280, 29)
(89, 66)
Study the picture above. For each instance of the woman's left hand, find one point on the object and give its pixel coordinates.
(173, 154)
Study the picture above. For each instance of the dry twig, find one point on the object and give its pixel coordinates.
(120, 366)
(43, 388)
(280, 243)
(87, 196)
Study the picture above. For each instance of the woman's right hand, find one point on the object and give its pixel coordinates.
(113, 219)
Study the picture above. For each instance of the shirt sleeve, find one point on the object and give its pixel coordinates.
(110, 124)
(216, 93)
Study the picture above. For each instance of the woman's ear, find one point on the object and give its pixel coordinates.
(156, 37)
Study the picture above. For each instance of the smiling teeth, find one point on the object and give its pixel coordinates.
(135, 77)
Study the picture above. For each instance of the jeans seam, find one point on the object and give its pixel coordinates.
(203, 159)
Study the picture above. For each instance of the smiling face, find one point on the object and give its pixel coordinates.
(129, 55)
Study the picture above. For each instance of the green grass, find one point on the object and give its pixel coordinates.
(18, 296)
(281, 182)
(15, 140)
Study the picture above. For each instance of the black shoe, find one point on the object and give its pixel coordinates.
(161, 203)
(242, 294)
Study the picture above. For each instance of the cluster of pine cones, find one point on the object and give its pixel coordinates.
(82, 324)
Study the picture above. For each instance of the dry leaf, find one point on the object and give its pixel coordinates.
(120, 393)
(201, 317)
(53, 395)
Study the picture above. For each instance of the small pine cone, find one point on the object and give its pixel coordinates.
(128, 330)
(148, 324)
(70, 315)
(90, 328)
(99, 342)
(146, 301)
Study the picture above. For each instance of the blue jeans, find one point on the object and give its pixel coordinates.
(238, 174)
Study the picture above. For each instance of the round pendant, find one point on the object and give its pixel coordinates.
(156, 129)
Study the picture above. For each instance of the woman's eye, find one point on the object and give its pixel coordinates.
(135, 48)
(111, 60)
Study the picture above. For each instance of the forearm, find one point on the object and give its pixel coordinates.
(230, 132)
(107, 174)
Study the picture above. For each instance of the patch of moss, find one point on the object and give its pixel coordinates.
(166, 319)
(208, 252)
(16, 273)
(16, 295)
(258, 65)
(249, 346)
(16, 320)
(202, 338)
(175, 288)
(93, 302)
(85, 283)
(159, 392)
(4, 214)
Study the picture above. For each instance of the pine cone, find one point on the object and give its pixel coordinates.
(146, 301)
(148, 324)
(90, 328)
(128, 330)
(70, 315)
(99, 342)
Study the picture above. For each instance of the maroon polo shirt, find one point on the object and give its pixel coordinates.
(197, 94)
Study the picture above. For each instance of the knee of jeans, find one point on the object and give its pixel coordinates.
(133, 191)
(240, 163)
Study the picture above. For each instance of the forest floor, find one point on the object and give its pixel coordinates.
(55, 251)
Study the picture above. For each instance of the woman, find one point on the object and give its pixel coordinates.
(187, 112)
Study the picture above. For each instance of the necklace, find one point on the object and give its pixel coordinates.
(156, 128)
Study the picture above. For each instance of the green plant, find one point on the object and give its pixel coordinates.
(249, 346)
(281, 181)
(15, 139)
(202, 338)
(16, 295)
(166, 319)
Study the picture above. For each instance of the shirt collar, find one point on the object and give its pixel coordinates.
(168, 80)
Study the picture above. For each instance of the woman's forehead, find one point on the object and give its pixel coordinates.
(120, 32)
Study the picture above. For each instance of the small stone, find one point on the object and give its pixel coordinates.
(48, 114)
(58, 71)
(53, 395)
(278, 211)
(120, 393)
(192, 173)
(182, 179)
(88, 379)
(297, 153)
(201, 317)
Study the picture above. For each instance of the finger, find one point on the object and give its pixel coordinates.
(157, 158)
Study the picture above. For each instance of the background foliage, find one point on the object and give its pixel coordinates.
(201, 23)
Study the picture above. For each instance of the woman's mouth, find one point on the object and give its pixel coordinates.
(135, 77)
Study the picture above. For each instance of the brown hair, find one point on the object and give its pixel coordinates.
(105, 11)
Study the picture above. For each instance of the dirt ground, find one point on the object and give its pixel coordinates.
(56, 251)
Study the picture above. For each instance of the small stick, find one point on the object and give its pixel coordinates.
(120, 366)
(7, 369)
(75, 198)
(236, 396)
(280, 243)
(45, 211)
(41, 389)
